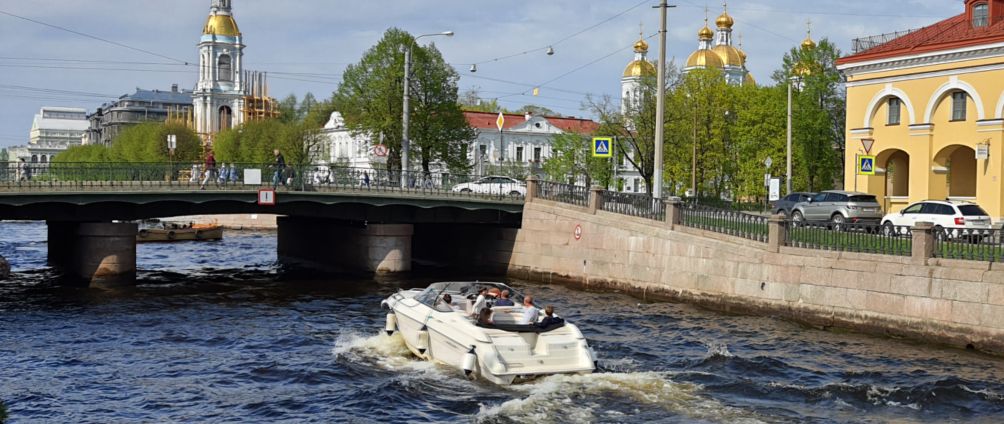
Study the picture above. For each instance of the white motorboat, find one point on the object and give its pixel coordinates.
(503, 352)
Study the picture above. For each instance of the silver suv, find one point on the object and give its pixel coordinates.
(839, 208)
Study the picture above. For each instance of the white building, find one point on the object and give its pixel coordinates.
(219, 95)
(346, 149)
(53, 130)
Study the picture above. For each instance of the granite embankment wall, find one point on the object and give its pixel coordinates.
(959, 303)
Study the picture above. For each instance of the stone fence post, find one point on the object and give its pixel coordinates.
(777, 233)
(532, 187)
(595, 199)
(674, 213)
(923, 242)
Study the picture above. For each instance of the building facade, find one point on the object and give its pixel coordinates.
(929, 106)
(142, 106)
(219, 95)
(53, 130)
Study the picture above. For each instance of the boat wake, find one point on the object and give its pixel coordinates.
(569, 398)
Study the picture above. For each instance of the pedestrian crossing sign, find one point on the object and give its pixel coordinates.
(603, 147)
(866, 165)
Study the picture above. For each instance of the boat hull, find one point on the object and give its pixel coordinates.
(161, 235)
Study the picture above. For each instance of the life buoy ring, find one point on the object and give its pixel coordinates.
(170, 235)
(198, 234)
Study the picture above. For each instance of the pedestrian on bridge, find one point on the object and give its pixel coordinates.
(210, 169)
(280, 167)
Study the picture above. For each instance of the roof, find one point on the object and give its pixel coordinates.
(486, 120)
(158, 96)
(951, 33)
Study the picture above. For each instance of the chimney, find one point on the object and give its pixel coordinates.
(174, 88)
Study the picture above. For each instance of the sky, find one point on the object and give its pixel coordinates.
(305, 44)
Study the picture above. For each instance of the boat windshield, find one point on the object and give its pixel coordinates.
(461, 290)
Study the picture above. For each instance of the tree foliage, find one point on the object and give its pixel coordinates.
(146, 142)
(573, 159)
(370, 98)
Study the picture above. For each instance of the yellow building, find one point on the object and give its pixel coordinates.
(927, 104)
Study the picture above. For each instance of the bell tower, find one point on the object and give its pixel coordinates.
(219, 96)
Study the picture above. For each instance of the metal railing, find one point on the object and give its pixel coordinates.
(564, 193)
(861, 238)
(640, 205)
(718, 203)
(725, 221)
(865, 43)
(20, 177)
(969, 244)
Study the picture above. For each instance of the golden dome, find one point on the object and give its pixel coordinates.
(221, 25)
(742, 55)
(730, 55)
(640, 68)
(641, 46)
(725, 20)
(704, 59)
(748, 80)
(808, 43)
(705, 33)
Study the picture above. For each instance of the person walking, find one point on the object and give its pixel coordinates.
(210, 172)
(280, 166)
(233, 173)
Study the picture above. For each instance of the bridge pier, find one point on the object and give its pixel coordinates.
(99, 254)
(376, 248)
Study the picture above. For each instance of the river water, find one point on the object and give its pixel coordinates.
(217, 332)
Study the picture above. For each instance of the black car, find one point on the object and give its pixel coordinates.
(785, 205)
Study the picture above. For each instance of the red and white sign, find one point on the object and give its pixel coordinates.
(266, 197)
(578, 232)
(380, 150)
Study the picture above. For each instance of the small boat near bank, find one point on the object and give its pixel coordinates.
(174, 232)
(504, 352)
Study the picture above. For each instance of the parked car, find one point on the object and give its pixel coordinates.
(787, 203)
(493, 185)
(838, 208)
(951, 219)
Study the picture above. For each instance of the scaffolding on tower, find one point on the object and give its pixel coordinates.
(258, 106)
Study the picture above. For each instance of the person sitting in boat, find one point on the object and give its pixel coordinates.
(445, 303)
(530, 312)
(504, 299)
(480, 302)
(549, 318)
(485, 316)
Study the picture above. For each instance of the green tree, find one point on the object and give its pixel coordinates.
(370, 99)
(91, 153)
(758, 132)
(147, 142)
(289, 109)
(819, 114)
(573, 158)
(471, 101)
(537, 111)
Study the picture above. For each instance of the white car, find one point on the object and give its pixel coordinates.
(951, 219)
(493, 185)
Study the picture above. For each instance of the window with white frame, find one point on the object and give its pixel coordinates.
(894, 111)
(959, 99)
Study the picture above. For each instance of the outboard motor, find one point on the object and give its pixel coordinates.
(423, 340)
(391, 323)
(470, 361)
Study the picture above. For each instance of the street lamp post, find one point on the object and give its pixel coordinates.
(405, 141)
(787, 177)
(660, 104)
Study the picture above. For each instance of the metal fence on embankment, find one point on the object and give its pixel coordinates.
(969, 244)
(639, 205)
(564, 193)
(725, 221)
(861, 238)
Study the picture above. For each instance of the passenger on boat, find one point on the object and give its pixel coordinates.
(485, 316)
(530, 312)
(446, 302)
(504, 299)
(549, 318)
(480, 302)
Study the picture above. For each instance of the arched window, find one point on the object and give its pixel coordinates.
(44, 159)
(981, 16)
(34, 158)
(226, 68)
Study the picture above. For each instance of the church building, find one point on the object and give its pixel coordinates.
(219, 95)
(715, 51)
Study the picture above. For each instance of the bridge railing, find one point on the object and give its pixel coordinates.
(21, 177)
(564, 193)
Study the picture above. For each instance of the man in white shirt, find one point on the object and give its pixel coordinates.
(530, 312)
(480, 303)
